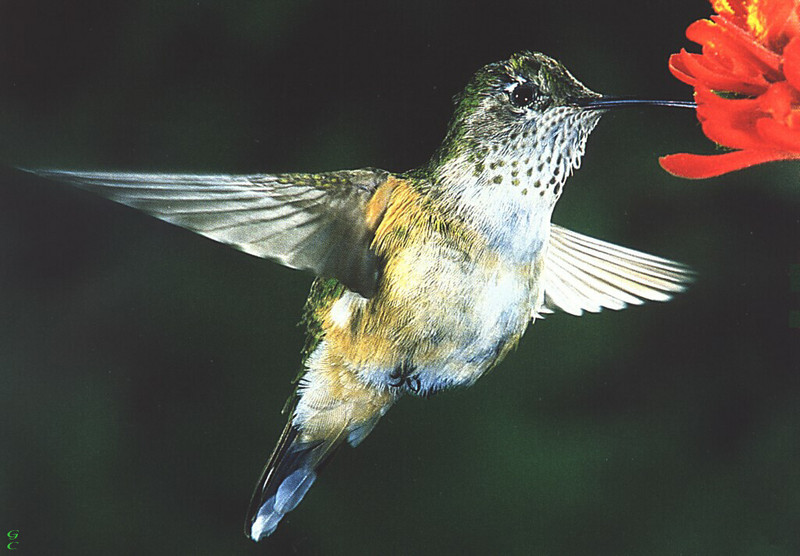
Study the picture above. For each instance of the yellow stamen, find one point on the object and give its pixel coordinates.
(722, 7)
(755, 19)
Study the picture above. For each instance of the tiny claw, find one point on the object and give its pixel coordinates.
(402, 377)
(398, 376)
(413, 383)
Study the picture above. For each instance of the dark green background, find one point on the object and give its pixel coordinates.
(143, 369)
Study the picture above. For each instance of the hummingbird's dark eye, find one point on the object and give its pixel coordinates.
(522, 95)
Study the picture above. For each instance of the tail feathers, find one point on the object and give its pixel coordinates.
(289, 473)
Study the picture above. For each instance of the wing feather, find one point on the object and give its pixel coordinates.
(586, 274)
(312, 222)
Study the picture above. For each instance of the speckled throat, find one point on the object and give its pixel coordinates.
(507, 184)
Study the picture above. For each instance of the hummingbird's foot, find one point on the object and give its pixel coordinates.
(412, 383)
(398, 376)
(402, 377)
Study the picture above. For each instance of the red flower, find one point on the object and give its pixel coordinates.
(747, 85)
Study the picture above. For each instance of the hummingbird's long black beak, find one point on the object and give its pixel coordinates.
(604, 103)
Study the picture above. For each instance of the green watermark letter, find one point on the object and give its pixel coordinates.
(13, 535)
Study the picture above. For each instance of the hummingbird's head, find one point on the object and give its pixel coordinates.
(522, 122)
(527, 86)
(518, 132)
(520, 126)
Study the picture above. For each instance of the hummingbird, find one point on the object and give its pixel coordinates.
(425, 279)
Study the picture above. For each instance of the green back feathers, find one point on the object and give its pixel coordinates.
(324, 292)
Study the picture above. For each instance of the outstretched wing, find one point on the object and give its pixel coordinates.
(318, 222)
(585, 274)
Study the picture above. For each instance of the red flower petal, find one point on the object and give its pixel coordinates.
(777, 19)
(791, 62)
(793, 121)
(778, 100)
(696, 166)
(768, 21)
(750, 48)
(778, 135)
(745, 42)
(678, 68)
(792, 26)
(728, 44)
(725, 64)
(720, 78)
(729, 122)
